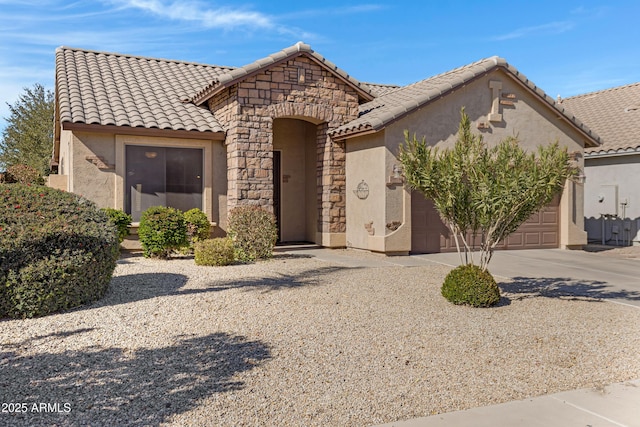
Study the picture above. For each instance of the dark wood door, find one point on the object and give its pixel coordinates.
(277, 189)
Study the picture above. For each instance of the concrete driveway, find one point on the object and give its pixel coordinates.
(557, 272)
(550, 272)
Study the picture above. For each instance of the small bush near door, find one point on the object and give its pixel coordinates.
(253, 231)
(162, 230)
(121, 220)
(214, 252)
(470, 285)
(198, 226)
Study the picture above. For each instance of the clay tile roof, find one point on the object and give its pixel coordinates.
(234, 75)
(381, 89)
(613, 113)
(122, 90)
(395, 104)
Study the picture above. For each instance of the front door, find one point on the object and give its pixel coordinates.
(277, 190)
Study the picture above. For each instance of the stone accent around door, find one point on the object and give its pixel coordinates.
(298, 88)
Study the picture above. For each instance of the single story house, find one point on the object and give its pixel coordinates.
(612, 196)
(296, 134)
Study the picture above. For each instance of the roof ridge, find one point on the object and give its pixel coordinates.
(596, 92)
(148, 58)
(438, 85)
(382, 84)
(495, 59)
(298, 49)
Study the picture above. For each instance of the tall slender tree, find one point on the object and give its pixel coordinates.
(484, 193)
(28, 136)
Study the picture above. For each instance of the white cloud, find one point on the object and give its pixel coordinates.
(550, 28)
(195, 11)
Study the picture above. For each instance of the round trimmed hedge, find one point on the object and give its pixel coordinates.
(162, 230)
(57, 251)
(470, 285)
(253, 231)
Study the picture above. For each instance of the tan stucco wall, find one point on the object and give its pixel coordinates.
(65, 161)
(365, 164)
(95, 166)
(531, 120)
(296, 140)
(372, 157)
(86, 178)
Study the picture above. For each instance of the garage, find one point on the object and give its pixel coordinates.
(430, 235)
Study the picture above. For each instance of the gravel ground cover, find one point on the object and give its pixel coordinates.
(297, 341)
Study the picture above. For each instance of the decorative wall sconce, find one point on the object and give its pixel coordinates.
(396, 177)
(581, 178)
(362, 190)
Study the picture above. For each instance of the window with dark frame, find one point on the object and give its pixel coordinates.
(162, 176)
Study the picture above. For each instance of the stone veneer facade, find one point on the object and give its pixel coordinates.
(298, 88)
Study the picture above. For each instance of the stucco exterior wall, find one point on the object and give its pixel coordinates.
(296, 140)
(372, 157)
(93, 167)
(528, 118)
(62, 179)
(365, 166)
(611, 188)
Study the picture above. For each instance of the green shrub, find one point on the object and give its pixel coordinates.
(253, 231)
(162, 230)
(198, 226)
(121, 220)
(58, 251)
(23, 174)
(219, 251)
(469, 284)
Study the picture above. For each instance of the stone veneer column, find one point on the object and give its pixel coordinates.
(249, 109)
(331, 191)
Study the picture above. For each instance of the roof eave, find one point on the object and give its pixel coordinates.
(143, 131)
(612, 153)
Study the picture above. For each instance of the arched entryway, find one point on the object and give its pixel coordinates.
(295, 175)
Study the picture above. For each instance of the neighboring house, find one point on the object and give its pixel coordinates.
(296, 134)
(612, 194)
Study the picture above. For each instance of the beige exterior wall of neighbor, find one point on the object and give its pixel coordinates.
(521, 113)
(611, 188)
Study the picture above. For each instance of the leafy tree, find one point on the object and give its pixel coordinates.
(28, 137)
(483, 194)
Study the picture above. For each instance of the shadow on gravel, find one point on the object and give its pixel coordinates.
(268, 284)
(136, 287)
(560, 287)
(117, 386)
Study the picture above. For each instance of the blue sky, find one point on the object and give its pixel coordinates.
(564, 47)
